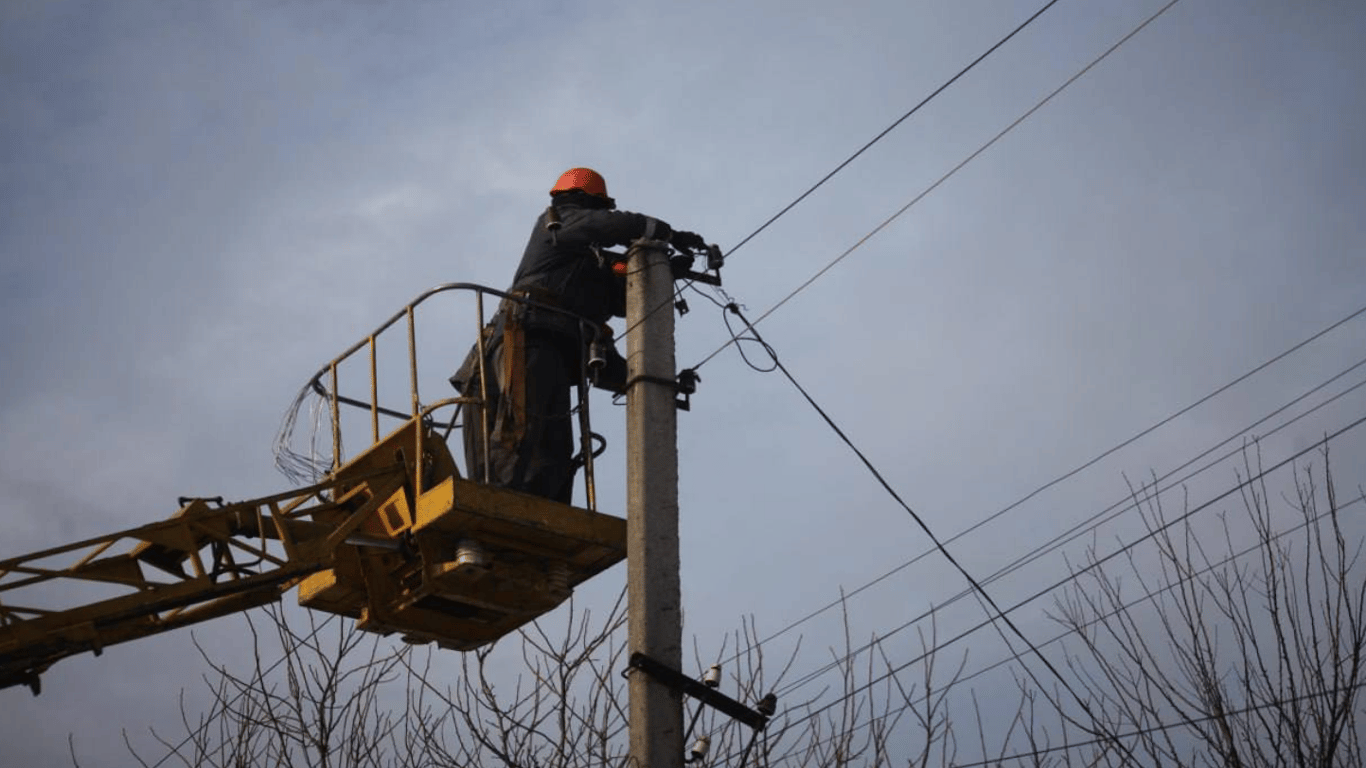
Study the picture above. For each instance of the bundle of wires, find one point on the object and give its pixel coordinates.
(310, 461)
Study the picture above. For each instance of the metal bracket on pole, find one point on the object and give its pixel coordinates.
(684, 386)
(681, 266)
(709, 696)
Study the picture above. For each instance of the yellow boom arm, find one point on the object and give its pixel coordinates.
(394, 539)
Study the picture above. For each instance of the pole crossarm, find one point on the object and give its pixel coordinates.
(709, 696)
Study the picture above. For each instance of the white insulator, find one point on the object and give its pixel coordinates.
(557, 577)
(712, 679)
(699, 748)
(470, 554)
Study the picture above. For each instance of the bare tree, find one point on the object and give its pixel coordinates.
(340, 697)
(323, 702)
(1228, 653)
(1248, 655)
(570, 707)
(565, 709)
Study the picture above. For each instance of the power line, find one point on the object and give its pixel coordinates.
(946, 176)
(894, 124)
(1153, 595)
(993, 610)
(1015, 655)
(735, 339)
(1086, 526)
(995, 762)
(1091, 566)
(976, 587)
(865, 147)
(1091, 462)
(958, 681)
(1184, 722)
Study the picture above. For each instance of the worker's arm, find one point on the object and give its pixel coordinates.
(611, 228)
(688, 241)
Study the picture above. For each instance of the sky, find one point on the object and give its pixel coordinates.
(203, 203)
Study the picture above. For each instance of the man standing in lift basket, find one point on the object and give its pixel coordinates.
(533, 355)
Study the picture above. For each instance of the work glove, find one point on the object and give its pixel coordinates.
(688, 241)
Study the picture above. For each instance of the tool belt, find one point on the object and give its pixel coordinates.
(509, 328)
(518, 316)
(514, 370)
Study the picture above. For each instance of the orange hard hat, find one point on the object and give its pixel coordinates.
(584, 179)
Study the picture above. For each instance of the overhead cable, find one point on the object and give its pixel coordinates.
(1083, 528)
(1151, 596)
(994, 611)
(1092, 461)
(1147, 597)
(946, 176)
(894, 124)
(1097, 563)
(865, 147)
(1034, 754)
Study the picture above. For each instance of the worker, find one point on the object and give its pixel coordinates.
(534, 355)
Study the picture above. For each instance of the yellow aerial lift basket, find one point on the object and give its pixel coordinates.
(393, 537)
(455, 562)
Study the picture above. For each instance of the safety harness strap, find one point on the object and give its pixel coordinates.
(514, 374)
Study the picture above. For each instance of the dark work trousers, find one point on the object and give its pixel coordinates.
(535, 456)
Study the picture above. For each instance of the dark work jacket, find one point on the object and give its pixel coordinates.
(564, 268)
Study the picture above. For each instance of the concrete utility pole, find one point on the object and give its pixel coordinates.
(654, 597)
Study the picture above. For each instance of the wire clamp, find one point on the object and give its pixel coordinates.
(684, 386)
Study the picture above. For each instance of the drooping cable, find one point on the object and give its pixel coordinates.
(736, 339)
(994, 611)
(1090, 462)
(1083, 528)
(1146, 597)
(1095, 564)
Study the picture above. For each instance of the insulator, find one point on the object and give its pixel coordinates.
(712, 679)
(767, 705)
(557, 577)
(687, 381)
(470, 554)
(597, 354)
(699, 748)
(715, 259)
